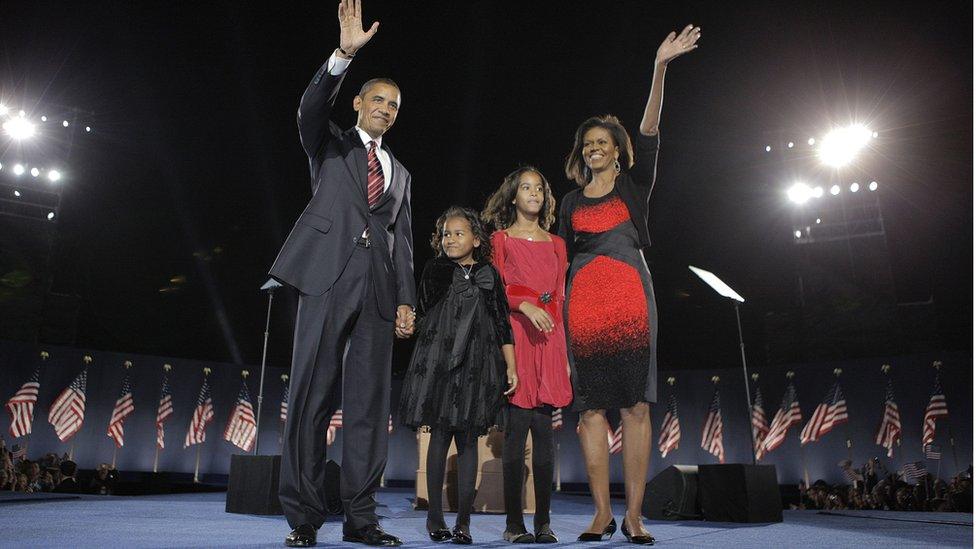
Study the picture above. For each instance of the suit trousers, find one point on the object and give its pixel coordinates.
(339, 338)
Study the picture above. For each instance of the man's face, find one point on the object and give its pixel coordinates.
(377, 108)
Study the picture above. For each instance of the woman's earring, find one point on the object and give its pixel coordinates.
(616, 165)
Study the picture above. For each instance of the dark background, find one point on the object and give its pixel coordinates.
(193, 168)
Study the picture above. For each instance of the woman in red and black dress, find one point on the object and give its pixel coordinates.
(610, 310)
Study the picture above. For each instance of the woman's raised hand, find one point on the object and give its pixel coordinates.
(678, 44)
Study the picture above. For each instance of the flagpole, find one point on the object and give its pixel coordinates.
(196, 471)
(847, 424)
(166, 369)
(803, 454)
(115, 450)
(44, 356)
(952, 441)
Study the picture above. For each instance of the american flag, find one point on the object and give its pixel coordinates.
(557, 419)
(18, 452)
(202, 416)
(913, 471)
(787, 415)
(68, 411)
(889, 433)
(760, 425)
(330, 435)
(21, 406)
(832, 411)
(937, 408)
(123, 407)
(241, 428)
(336, 420)
(164, 411)
(711, 440)
(933, 451)
(670, 429)
(283, 414)
(853, 475)
(615, 439)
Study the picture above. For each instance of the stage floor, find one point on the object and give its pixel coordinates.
(199, 520)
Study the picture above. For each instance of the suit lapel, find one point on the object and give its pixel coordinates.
(354, 155)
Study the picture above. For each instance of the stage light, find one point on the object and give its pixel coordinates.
(35, 172)
(817, 192)
(768, 148)
(811, 141)
(818, 221)
(790, 145)
(1, 165)
(4, 110)
(19, 128)
(835, 190)
(64, 123)
(874, 135)
(855, 187)
(22, 114)
(88, 129)
(873, 186)
(841, 145)
(54, 175)
(50, 216)
(799, 193)
(43, 118)
(797, 233)
(18, 169)
(17, 194)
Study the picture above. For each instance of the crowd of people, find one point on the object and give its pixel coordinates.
(52, 473)
(873, 487)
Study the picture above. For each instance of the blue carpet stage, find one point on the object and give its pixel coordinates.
(199, 520)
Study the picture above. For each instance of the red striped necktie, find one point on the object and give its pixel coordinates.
(375, 180)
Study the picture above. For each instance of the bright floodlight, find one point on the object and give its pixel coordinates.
(1, 165)
(875, 134)
(43, 118)
(64, 123)
(840, 146)
(799, 193)
(811, 141)
(4, 110)
(50, 216)
(54, 175)
(768, 148)
(716, 284)
(817, 192)
(88, 128)
(17, 193)
(18, 169)
(835, 190)
(797, 233)
(873, 186)
(35, 172)
(818, 221)
(19, 128)
(855, 187)
(790, 144)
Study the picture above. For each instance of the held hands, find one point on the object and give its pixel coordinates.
(404, 323)
(676, 45)
(351, 33)
(539, 318)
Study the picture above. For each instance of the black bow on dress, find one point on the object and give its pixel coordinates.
(468, 289)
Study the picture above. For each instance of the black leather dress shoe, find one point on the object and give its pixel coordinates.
(545, 535)
(303, 536)
(371, 534)
(639, 539)
(461, 535)
(518, 536)
(608, 532)
(438, 533)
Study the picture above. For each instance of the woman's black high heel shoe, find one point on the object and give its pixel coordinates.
(640, 539)
(608, 532)
(438, 534)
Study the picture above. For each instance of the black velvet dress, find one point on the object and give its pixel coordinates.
(456, 378)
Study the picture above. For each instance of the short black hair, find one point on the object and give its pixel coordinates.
(373, 81)
(69, 468)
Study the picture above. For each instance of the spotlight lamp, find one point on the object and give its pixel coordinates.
(835, 190)
(799, 193)
(873, 186)
(35, 172)
(768, 148)
(841, 145)
(54, 175)
(855, 187)
(18, 169)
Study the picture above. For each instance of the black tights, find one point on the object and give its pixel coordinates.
(520, 422)
(467, 458)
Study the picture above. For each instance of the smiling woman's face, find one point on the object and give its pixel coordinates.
(599, 150)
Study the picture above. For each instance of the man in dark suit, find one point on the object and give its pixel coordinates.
(350, 256)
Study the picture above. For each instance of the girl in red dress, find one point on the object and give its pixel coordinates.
(532, 264)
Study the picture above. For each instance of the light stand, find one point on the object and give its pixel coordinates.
(270, 287)
(723, 289)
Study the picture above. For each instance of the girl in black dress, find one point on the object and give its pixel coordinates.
(463, 364)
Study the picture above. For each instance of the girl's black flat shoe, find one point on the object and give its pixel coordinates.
(461, 536)
(640, 539)
(608, 532)
(439, 535)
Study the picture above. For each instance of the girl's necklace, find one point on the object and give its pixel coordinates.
(467, 270)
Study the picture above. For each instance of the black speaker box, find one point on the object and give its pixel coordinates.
(252, 487)
(673, 494)
(739, 493)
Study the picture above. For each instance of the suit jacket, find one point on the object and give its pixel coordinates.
(324, 237)
(634, 187)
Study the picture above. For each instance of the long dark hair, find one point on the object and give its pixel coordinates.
(576, 168)
(482, 253)
(499, 210)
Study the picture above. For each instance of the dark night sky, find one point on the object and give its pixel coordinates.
(195, 147)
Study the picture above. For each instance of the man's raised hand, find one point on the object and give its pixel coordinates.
(351, 33)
